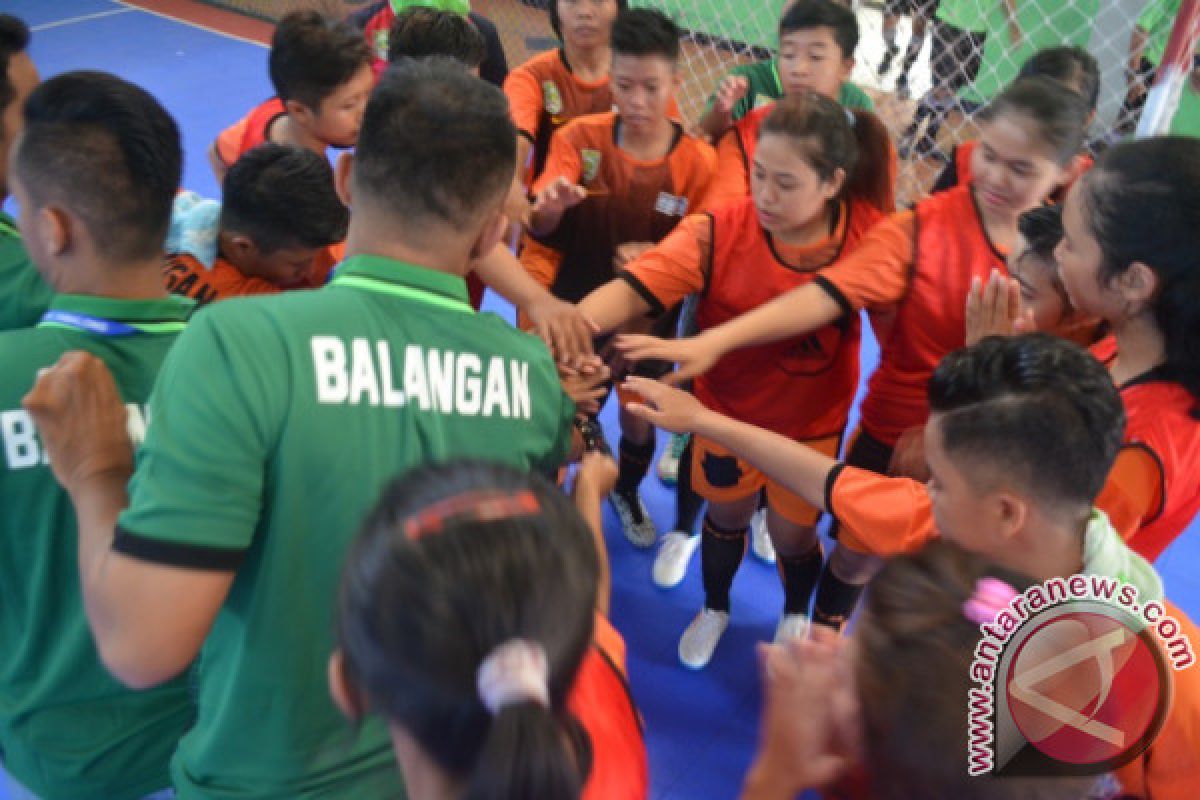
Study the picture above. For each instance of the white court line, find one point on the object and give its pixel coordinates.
(83, 18)
(129, 7)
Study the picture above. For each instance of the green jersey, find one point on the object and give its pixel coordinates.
(275, 425)
(23, 293)
(68, 729)
(765, 86)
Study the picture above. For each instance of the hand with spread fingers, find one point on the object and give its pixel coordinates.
(994, 309)
(692, 356)
(585, 383)
(81, 420)
(664, 406)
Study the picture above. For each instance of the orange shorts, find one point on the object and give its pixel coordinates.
(719, 476)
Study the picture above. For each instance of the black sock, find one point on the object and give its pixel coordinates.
(721, 553)
(799, 576)
(687, 503)
(632, 465)
(836, 600)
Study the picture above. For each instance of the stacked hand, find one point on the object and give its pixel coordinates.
(584, 382)
(732, 89)
(663, 406)
(558, 197)
(693, 356)
(994, 309)
(564, 329)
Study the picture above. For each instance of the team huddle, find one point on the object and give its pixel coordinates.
(282, 515)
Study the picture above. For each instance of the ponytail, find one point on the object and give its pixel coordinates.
(1142, 202)
(874, 177)
(525, 754)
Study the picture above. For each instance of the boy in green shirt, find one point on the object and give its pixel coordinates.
(23, 293)
(94, 174)
(275, 424)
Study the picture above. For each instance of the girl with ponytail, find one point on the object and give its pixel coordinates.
(1129, 257)
(468, 618)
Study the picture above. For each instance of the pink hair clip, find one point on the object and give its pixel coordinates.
(991, 597)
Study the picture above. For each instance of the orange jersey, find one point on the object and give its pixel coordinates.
(802, 387)
(924, 260)
(735, 158)
(544, 94)
(601, 701)
(962, 169)
(1159, 424)
(629, 200)
(248, 132)
(188, 277)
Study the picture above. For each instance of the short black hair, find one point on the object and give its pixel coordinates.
(645, 32)
(556, 23)
(283, 197)
(1042, 230)
(312, 56)
(808, 14)
(420, 32)
(1069, 64)
(1037, 409)
(108, 151)
(14, 38)
(437, 143)
(1059, 113)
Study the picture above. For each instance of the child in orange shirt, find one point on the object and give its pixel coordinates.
(614, 179)
(511, 680)
(1024, 432)
(921, 263)
(817, 39)
(734, 259)
(278, 210)
(321, 71)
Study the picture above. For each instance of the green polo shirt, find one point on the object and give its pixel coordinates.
(23, 293)
(67, 728)
(765, 86)
(275, 425)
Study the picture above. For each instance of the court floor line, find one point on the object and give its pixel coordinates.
(45, 26)
(192, 23)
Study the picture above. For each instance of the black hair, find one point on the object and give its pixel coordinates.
(419, 611)
(420, 32)
(1034, 409)
(915, 648)
(556, 23)
(645, 32)
(312, 56)
(808, 14)
(1042, 230)
(1142, 204)
(14, 38)
(1058, 112)
(436, 143)
(1070, 65)
(107, 150)
(281, 197)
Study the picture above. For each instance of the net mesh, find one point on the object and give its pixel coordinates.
(969, 51)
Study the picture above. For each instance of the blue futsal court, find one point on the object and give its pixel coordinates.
(701, 727)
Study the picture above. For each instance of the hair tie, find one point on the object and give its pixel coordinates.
(484, 505)
(515, 672)
(991, 597)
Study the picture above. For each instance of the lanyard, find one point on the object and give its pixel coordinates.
(420, 295)
(73, 320)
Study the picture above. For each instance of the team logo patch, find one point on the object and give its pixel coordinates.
(553, 97)
(671, 205)
(591, 164)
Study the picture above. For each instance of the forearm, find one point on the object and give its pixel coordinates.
(763, 782)
(796, 466)
(543, 222)
(504, 274)
(797, 312)
(612, 305)
(524, 148)
(588, 503)
(715, 122)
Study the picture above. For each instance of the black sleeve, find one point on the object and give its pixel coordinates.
(494, 68)
(360, 18)
(949, 177)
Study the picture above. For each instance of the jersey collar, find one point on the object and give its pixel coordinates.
(389, 276)
(172, 308)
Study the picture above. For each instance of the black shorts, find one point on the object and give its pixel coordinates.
(955, 56)
(911, 8)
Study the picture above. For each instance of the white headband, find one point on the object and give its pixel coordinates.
(515, 672)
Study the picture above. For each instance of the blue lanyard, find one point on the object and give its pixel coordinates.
(56, 318)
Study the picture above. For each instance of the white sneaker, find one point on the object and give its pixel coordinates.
(760, 538)
(674, 555)
(698, 642)
(791, 626)
(635, 519)
(668, 464)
